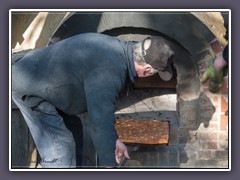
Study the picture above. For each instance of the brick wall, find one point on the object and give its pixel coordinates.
(200, 138)
(213, 139)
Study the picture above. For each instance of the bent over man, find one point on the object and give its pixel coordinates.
(83, 73)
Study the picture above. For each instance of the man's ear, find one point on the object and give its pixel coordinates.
(147, 70)
(146, 67)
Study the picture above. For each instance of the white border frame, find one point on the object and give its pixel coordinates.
(121, 10)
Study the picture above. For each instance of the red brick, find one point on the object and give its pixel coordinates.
(212, 145)
(224, 122)
(212, 136)
(223, 136)
(209, 145)
(225, 86)
(216, 46)
(215, 101)
(224, 105)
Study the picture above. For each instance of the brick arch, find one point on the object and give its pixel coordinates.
(189, 107)
(184, 27)
(187, 33)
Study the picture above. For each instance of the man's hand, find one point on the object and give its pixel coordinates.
(120, 151)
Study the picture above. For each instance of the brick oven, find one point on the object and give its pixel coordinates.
(198, 120)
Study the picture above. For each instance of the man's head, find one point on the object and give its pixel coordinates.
(154, 55)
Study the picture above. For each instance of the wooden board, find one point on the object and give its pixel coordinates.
(149, 132)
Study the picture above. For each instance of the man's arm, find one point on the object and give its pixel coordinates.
(101, 89)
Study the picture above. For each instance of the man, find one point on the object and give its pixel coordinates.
(82, 73)
(217, 68)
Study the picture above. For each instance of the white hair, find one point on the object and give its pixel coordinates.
(139, 58)
(138, 54)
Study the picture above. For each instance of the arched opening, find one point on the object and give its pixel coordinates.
(177, 100)
(180, 100)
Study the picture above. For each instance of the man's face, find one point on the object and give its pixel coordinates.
(145, 71)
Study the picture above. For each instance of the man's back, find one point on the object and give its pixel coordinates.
(57, 73)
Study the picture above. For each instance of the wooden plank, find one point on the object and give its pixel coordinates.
(147, 128)
(148, 132)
